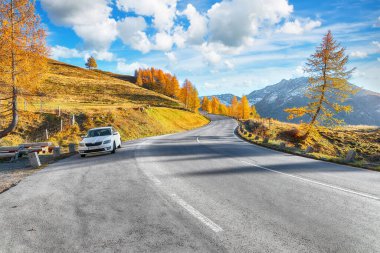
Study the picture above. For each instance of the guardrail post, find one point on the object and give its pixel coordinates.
(350, 157)
(34, 160)
(309, 149)
(72, 148)
(56, 152)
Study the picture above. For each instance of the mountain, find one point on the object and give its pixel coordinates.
(272, 100)
(224, 98)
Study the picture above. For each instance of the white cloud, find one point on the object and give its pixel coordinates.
(131, 32)
(299, 71)
(125, 68)
(233, 22)
(358, 54)
(162, 11)
(299, 26)
(197, 29)
(60, 52)
(90, 20)
(171, 56)
(229, 64)
(164, 41)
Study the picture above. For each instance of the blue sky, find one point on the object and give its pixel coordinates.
(224, 46)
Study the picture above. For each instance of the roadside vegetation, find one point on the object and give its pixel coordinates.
(332, 144)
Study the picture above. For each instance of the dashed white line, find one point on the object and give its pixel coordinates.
(196, 213)
(316, 182)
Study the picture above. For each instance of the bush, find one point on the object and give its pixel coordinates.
(256, 128)
(292, 135)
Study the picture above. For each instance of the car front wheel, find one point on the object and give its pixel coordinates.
(114, 148)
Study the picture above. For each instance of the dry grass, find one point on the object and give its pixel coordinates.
(332, 144)
(76, 89)
(96, 98)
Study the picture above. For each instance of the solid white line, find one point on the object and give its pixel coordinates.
(196, 213)
(316, 182)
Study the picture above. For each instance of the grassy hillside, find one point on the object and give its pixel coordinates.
(333, 143)
(96, 98)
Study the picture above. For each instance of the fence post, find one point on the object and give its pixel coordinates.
(47, 134)
(61, 124)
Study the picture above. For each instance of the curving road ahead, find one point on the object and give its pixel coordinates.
(199, 191)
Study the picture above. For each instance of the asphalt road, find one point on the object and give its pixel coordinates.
(200, 191)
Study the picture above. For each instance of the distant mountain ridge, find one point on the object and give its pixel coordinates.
(272, 100)
(224, 98)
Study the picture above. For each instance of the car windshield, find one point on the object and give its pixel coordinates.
(98, 132)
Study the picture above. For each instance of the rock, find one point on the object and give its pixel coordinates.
(257, 137)
(282, 145)
(350, 157)
(34, 160)
(309, 149)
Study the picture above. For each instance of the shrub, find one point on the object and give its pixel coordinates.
(292, 135)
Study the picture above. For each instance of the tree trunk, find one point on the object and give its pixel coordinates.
(311, 124)
(12, 125)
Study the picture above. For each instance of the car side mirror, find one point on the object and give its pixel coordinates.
(83, 136)
(115, 133)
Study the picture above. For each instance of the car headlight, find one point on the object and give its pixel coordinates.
(82, 144)
(106, 141)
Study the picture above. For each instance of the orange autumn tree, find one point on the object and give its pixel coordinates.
(215, 105)
(328, 88)
(244, 108)
(206, 104)
(234, 107)
(159, 81)
(189, 96)
(23, 55)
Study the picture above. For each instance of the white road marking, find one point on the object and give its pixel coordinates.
(196, 213)
(316, 182)
(198, 140)
(310, 180)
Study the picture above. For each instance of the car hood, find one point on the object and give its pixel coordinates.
(96, 139)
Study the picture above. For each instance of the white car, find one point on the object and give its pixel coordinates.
(99, 140)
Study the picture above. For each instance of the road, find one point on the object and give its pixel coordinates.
(199, 191)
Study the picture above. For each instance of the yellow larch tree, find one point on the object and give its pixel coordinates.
(328, 88)
(234, 107)
(245, 109)
(23, 55)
